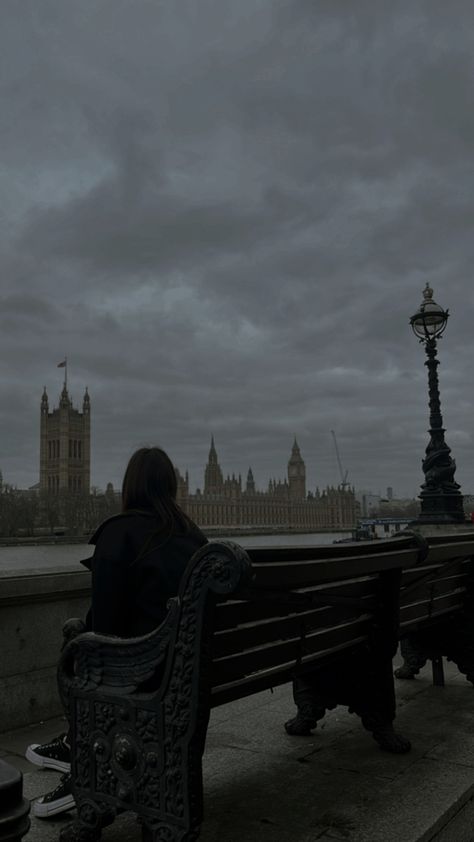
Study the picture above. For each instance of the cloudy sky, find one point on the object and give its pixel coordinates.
(224, 214)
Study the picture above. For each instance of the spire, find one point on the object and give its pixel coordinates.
(295, 449)
(296, 474)
(295, 453)
(250, 485)
(212, 451)
(64, 400)
(44, 405)
(213, 479)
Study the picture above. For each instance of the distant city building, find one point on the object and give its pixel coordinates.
(468, 503)
(368, 502)
(373, 505)
(398, 505)
(65, 445)
(285, 504)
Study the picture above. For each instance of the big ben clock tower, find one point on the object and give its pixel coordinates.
(296, 474)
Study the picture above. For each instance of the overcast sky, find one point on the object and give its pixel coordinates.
(225, 213)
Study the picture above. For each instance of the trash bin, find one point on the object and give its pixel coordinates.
(14, 809)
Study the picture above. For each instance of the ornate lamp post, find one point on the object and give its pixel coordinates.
(441, 499)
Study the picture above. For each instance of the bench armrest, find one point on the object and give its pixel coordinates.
(89, 660)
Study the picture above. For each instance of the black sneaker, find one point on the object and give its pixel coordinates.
(53, 755)
(57, 801)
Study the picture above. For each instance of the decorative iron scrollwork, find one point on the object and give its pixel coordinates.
(125, 752)
(147, 744)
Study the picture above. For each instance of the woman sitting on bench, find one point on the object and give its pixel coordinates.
(139, 558)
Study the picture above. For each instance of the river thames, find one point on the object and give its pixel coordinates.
(48, 558)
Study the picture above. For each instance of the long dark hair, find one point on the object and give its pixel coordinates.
(150, 485)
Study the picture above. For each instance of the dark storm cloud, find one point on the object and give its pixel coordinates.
(139, 236)
(225, 216)
(30, 308)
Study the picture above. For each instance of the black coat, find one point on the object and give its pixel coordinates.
(135, 572)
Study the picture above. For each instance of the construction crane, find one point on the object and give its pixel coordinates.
(343, 473)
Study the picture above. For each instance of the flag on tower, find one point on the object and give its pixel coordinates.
(63, 364)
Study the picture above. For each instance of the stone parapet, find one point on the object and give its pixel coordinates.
(33, 609)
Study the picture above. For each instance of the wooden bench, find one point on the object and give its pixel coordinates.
(243, 622)
(437, 608)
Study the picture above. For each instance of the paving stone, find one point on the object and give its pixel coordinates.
(456, 743)
(460, 828)
(260, 784)
(19, 763)
(281, 695)
(415, 805)
(263, 732)
(13, 745)
(15, 742)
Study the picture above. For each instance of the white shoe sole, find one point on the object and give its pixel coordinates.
(46, 762)
(42, 810)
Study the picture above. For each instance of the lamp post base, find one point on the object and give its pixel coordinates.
(441, 508)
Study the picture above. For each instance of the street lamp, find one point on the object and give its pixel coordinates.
(441, 499)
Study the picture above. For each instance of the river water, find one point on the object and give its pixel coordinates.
(49, 558)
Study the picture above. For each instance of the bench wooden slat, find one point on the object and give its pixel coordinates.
(437, 570)
(435, 580)
(456, 539)
(277, 574)
(274, 676)
(229, 691)
(355, 551)
(238, 665)
(236, 612)
(417, 623)
(427, 609)
(447, 552)
(440, 588)
(444, 581)
(234, 640)
(354, 587)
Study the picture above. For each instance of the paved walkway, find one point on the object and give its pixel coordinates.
(262, 785)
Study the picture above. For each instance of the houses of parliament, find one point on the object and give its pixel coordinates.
(284, 505)
(65, 466)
